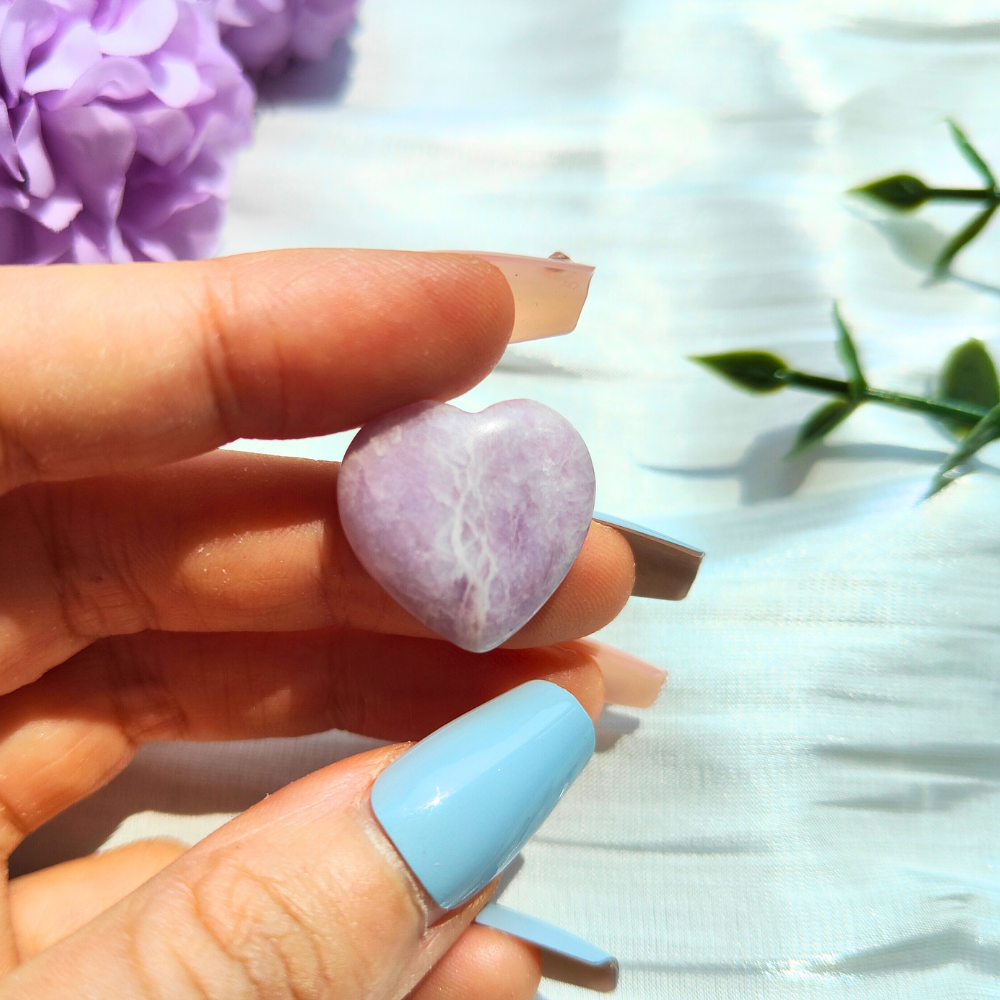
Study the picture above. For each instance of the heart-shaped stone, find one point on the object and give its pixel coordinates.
(469, 520)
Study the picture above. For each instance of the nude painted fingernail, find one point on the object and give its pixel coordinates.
(664, 567)
(549, 292)
(627, 679)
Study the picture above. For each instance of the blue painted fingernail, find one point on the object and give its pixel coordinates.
(460, 804)
(565, 957)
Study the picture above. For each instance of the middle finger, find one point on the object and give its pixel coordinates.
(225, 542)
(70, 732)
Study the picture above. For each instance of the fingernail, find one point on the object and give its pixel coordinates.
(627, 679)
(549, 292)
(460, 804)
(565, 957)
(664, 567)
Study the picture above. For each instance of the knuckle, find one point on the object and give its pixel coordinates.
(17, 464)
(259, 926)
(144, 705)
(246, 386)
(309, 931)
(216, 307)
(89, 563)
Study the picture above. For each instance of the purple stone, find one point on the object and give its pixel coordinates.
(469, 520)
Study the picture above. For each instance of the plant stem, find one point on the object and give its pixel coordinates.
(963, 413)
(952, 410)
(962, 194)
(814, 383)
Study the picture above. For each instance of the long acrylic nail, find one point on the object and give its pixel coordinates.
(460, 804)
(664, 567)
(565, 956)
(627, 679)
(549, 292)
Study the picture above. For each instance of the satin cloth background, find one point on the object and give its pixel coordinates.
(811, 809)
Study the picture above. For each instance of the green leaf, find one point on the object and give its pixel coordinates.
(968, 376)
(968, 151)
(901, 191)
(849, 355)
(756, 371)
(987, 430)
(821, 422)
(951, 249)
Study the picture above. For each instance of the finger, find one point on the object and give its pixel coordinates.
(306, 894)
(49, 905)
(73, 730)
(112, 367)
(483, 964)
(299, 896)
(594, 590)
(224, 542)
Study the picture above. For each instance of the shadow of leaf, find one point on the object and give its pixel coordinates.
(918, 244)
(950, 946)
(765, 473)
(960, 760)
(918, 798)
(914, 241)
(953, 945)
(976, 286)
(912, 30)
(739, 844)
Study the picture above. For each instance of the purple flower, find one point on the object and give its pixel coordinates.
(119, 121)
(265, 35)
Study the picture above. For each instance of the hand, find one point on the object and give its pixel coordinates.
(152, 587)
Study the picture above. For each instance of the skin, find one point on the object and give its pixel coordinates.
(152, 587)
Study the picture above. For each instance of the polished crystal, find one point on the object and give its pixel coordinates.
(469, 520)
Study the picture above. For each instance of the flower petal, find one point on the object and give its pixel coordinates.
(162, 134)
(8, 148)
(28, 24)
(55, 212)
(114, 78)
(175, 81)
(270, 6)
(260, 45)
(93, 145)
(72, 53)
(315, 31)
(190, 232)
(35, 162)
(86, 249)
(97, 242)
(237, 13)
(24, 241)
(12, 197)
(119, 123)
(142, 28)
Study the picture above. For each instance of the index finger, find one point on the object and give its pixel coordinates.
(120, 366)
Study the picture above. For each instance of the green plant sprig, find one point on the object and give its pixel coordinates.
(905, 193)
(966, 403)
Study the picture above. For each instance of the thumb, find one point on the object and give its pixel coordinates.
(350, 883)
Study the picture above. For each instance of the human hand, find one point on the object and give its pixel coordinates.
(152, 587)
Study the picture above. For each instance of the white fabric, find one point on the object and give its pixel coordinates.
(811, 808)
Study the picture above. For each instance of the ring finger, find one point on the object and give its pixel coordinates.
(74, 729)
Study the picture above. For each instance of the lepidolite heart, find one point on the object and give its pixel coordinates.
(469, 520)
